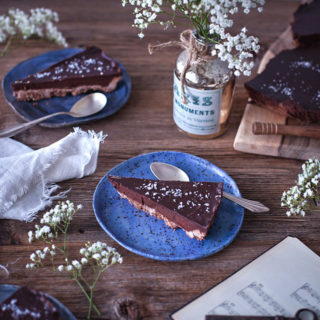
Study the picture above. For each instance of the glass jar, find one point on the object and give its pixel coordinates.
(209, 87)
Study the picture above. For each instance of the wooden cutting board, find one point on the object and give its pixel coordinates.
(272, 145)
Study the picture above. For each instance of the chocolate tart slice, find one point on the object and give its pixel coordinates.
(27, 304)
(88, 70)
(290, 84)
(306, 24)
(191, 206)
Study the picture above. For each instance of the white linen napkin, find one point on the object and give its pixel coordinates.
(28, 178)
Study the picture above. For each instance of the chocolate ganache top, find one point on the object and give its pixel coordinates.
(194, 200)
(292, 76)
(28, 304)
(88, 67)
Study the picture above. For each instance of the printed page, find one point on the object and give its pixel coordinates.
(281, 281)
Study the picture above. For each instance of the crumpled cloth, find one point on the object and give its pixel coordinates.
(28, 178)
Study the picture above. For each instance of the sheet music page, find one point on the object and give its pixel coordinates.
(281, 281)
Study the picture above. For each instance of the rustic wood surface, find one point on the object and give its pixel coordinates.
(144, 125)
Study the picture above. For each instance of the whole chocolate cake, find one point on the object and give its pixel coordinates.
(28, 304)
(88, 70)
(306, 24)
(191, 206)
(290, 84)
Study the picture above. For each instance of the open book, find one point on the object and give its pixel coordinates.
(281, 281)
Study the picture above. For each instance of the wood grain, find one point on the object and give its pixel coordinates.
(298, 147)
(145, 124)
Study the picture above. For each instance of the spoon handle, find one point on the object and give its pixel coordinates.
(251, 205)
(7, 133)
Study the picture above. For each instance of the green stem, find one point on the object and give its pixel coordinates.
(91, 293)
(4, 51)
(87, 296)
(84, 280)
(90, 304)
(64, 241)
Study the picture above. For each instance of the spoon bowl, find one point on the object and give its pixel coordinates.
(86, 106)
(89, 105)
(165, 171)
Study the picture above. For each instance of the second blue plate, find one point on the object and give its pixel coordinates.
(7, 290)
(29, 110)
(152, 238)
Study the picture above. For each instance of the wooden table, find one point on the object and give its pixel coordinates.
(144, 125)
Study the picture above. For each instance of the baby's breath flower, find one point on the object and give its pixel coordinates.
(299, 197)
(69, 267)
(101, 254)
(39, 22)
(105, 253)
(114, 260)
(211, 19)
(97, 256)
(46, 250)
(30, 236)
(76, 264)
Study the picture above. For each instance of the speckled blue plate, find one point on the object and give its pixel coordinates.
(145, 235)
(7, 290)
(32, 110)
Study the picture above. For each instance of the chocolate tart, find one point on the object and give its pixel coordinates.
(191, 206)
(306, 24)
(90, 69)
(289, 84)
(28, 304)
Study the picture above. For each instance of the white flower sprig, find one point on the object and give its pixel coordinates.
(38, 23)
(210, 19)
(97, 256)
(302, 197)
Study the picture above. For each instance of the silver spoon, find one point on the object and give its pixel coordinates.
(88, 105)
(165, 171)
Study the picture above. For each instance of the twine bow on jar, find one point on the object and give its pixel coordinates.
(195, 54)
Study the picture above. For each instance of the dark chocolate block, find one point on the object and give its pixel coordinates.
(290, 84)
(306, 24)
(191, 206)
(28, 304)
(88, 70)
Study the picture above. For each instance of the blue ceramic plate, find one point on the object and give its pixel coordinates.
(33, 110)
(152, 238)
(8, 289)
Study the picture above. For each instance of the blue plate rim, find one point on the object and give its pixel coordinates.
(152, 256)
(64, 124)
(55, 301)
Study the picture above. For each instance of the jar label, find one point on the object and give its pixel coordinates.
(202, 113)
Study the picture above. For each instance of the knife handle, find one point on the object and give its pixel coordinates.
(267, 128)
